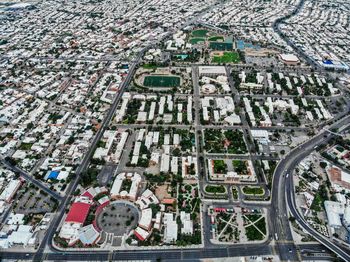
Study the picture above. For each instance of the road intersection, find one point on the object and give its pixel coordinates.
(281, 204)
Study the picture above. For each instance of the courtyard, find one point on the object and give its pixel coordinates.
(118, 218)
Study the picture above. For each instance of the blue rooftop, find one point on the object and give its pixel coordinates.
(241, 45)
(53, 175)
(328, 62)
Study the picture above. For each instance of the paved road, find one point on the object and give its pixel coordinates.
(31, 179)
(340, 251)
(283, 183)
(315, 252)
(203, 127)
(47, 241)
(245, 157)
(163, 254)
(84, 165)
(276, 28)
(278, 213)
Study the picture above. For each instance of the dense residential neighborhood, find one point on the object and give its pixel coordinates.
(174, 130)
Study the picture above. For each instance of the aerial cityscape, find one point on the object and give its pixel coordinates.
(169, 130)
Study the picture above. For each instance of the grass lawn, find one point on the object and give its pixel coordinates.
(196, 40)
(227, 57)
(240, 166)
(213, 141)
(101, 144)
(215, 189)
(261, 224)
(26, 146)
(253, 217)
(234, 193)
(200, 33)
(230, 141)
(320, 197)
(220, 167)
(317, 203)
(161, 81)
(149, 66)
(236, 142)
(253, 234)
(248, 190)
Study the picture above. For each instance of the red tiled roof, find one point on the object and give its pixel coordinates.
(87, 194)
(78, 212)
(168, 201)
(139, 236)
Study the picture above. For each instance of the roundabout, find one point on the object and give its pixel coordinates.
(118, 218)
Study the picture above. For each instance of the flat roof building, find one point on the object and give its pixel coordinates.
(88, 235)
(78, 213)
(10, 190)
(171, 227)
(146, 219)
(211, 70)
(289, 59)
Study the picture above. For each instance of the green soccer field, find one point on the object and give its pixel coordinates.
(227, 57)
(216, 38)
(196, 40)
(200, 33)
(161, 81)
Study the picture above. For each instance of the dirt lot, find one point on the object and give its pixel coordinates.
(162, 192)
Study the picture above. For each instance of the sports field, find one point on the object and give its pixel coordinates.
(200, 33)
(216, 38)
(227, 57)
(161, 81)
(196, 40)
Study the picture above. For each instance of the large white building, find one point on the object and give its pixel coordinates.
(211, 70)
(187, 223)
(171, 227)
(336, 210)
(117, 190)
(10, 190)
